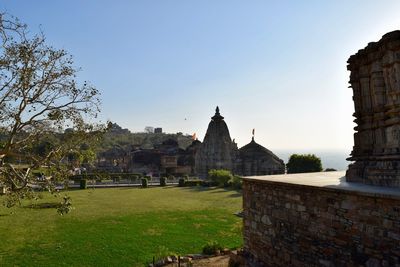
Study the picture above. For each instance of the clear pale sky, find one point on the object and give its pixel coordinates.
(276, 66)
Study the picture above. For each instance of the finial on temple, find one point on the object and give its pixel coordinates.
(217, 116)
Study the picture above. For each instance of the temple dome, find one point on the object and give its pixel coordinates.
(258, 160)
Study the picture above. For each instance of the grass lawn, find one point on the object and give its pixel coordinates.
(119, 226)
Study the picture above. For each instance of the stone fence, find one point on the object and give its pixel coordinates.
(320, 220)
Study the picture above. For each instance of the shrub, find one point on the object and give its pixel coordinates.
(303, 163)
(181, 182)
(236, 182)
(171, 177)
(212, 248)
(145, 182)
(220, 177)
(163, 181)
(194, 182)
(206, 183)
(186, 177)
(83, 184)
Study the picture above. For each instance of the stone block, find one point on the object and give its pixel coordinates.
(265, 219)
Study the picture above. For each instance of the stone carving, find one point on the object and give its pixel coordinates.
(375, 80)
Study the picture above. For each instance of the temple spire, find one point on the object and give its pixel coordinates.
(217, 116)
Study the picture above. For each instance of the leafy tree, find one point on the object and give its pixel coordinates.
(39, 97)
(304, 163)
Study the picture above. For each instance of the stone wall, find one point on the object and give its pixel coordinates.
(297, 225)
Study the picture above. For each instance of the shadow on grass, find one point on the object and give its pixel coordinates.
(237, 194)
(46, 205)
(200, 188)
(215, 190)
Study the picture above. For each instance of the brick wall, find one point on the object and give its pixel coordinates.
(297, 225)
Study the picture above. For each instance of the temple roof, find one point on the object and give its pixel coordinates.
(254, 148)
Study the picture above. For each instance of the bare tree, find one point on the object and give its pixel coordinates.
(39, 98)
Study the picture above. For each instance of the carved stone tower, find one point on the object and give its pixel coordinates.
(217, 150)
(375, 79)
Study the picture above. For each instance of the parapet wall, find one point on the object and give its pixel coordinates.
(293, 224)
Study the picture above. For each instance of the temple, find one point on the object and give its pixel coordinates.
(375, 80)
(257, 160)
(218, 151)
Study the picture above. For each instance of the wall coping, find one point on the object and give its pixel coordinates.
(329, 181)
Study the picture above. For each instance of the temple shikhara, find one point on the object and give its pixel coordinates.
(218, 151)
(375, 80)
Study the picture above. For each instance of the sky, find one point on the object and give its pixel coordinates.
(276, 66)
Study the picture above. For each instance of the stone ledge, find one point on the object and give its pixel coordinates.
(329, 181)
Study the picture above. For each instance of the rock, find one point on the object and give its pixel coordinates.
(159, 263)
(186, 259)
(265, 219)
(195, 256)
(226, 251)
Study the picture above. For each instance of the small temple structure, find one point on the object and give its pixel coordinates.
(258, 160)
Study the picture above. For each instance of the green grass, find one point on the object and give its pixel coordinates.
(119, 226)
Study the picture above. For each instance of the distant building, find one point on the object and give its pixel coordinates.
(158, 130)
(166, 158)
